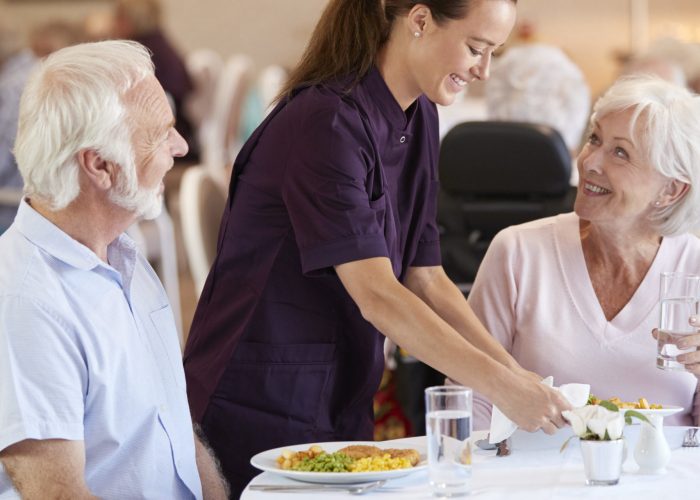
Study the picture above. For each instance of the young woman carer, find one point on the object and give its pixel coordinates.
(329, 241)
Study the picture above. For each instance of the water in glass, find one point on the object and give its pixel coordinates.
(674, 325)
(449, 452)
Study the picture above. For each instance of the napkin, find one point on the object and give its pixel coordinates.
(502, 427)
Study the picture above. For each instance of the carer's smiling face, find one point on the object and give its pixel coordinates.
(449, 55)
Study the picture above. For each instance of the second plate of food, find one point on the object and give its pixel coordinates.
(662, 412)
(267, 461)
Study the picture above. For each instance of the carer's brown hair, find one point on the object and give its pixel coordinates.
(351, 32)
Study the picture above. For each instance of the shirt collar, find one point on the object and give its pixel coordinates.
(52, 240)
(385, 100)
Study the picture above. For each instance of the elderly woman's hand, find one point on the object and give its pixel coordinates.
(691, 360)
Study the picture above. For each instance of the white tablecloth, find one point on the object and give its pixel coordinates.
(534, 470)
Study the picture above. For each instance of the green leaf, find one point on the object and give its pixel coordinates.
(590, 436)
(635, 414)
(566, 443)
(610, 406)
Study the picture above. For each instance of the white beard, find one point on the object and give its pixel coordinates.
(145, 203)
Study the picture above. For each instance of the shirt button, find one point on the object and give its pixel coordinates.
(163, 408)
(403, 139)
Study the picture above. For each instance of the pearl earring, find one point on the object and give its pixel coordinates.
(416, 34)
(657, 203)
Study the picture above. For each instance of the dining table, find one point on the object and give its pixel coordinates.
(535, 469)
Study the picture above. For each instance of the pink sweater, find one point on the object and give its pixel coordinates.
(534, 294)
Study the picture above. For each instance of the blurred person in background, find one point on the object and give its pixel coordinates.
(16, 63)
(329, 240)
(54, 35)
(576, 296)
(676, 52)
(538, 83)
(141, 20)
(98, 25)
(92, 389)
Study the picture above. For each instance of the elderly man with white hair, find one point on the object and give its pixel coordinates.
(92, 390)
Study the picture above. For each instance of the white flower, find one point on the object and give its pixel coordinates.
(597, 420)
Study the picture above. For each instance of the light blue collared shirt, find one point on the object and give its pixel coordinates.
(89, 351)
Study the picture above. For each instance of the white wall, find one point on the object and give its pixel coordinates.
(590, 31)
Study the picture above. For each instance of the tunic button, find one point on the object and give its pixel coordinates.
(403, 139)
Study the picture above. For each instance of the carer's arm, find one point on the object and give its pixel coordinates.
(436, 289)
(407, 320)
(49, 468)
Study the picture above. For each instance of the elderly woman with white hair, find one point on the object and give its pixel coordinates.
(576, 295)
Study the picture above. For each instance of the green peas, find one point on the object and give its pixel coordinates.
(325, 462)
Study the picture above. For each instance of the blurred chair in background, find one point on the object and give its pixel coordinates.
(16, 62)
(495, 174)
(202, 203)
(204, 67)
(270, 82)
(538, 83)
(140, 20)
(220, 131)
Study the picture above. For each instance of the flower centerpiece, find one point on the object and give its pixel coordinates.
(599, 428)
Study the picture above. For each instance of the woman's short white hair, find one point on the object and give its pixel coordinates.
(540, 84)
(74, 101)
(666, 123)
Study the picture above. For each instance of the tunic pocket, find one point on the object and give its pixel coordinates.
(287, 383)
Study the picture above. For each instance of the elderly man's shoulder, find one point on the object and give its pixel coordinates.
(21, 263)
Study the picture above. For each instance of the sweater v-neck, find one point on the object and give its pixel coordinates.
(578, 282)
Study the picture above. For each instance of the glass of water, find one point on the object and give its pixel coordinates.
(679, 296)
(448, 423)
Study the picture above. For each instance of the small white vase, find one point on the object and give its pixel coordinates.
(602, 461)
(652, 452)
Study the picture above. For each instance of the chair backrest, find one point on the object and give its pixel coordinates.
(270, 82)
(204, 67)
(202, 203)
(220, 132)
(493, 175)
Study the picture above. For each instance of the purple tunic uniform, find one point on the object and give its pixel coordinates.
(278, 352)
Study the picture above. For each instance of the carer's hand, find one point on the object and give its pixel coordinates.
(690, 360)
(533, 405)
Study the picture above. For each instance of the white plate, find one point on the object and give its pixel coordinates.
(661, 412)
(267, 461)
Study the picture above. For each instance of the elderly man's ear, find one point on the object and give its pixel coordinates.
(97, 171)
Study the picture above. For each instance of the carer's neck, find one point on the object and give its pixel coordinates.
(394, 71)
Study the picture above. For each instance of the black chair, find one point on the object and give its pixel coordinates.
(493, 175)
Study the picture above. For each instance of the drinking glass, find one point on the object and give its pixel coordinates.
(679, 296)
(448, 422)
